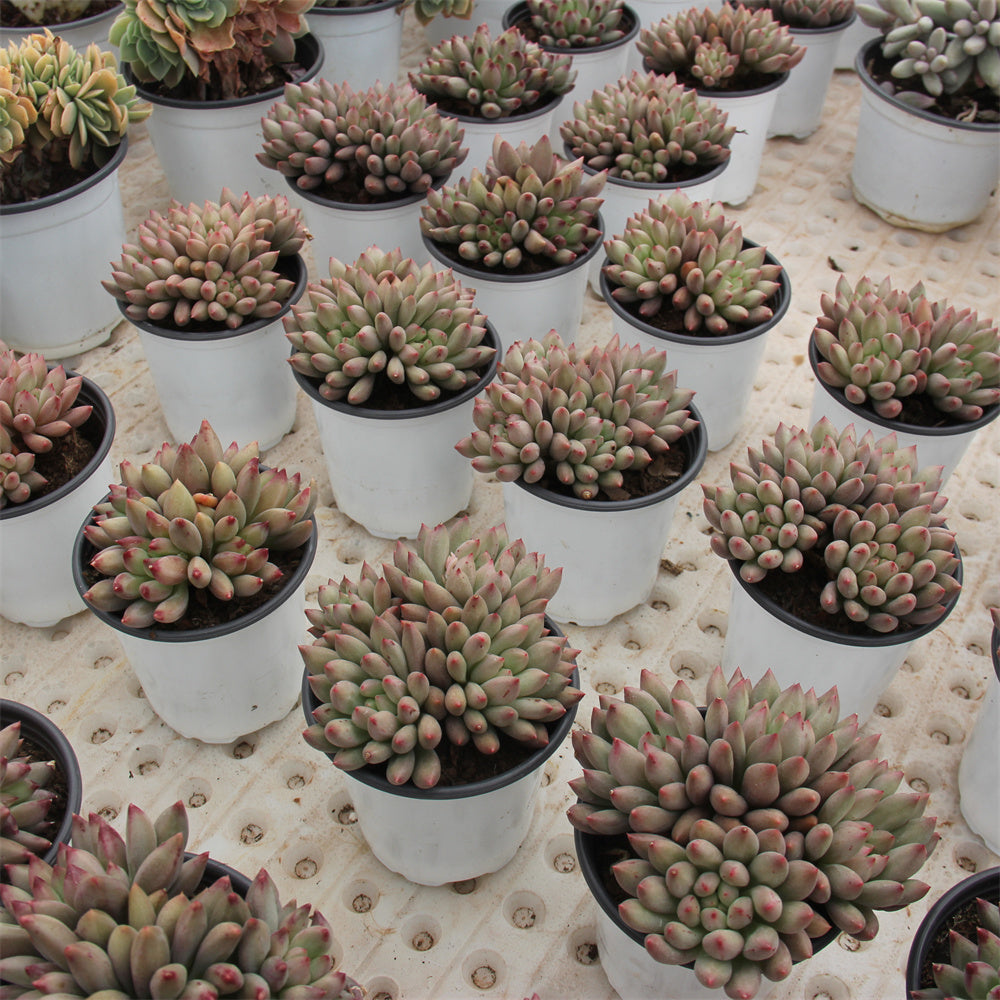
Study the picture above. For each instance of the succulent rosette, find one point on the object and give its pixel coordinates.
(26, 796)
(576, 24)
(808, 13)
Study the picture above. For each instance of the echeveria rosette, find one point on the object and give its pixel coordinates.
(808, 13)
(25, 800)
(973, 969)
(427, 10)
(577, 24)
(446, 643)
(583, 417)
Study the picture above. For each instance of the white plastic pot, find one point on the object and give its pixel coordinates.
(36, 537)
(488, 12)
(721, 370)
(360, 44)
(952, 167)
(609, 551)
(40, 243)
(79, 33)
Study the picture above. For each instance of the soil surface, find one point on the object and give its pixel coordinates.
(530, 263)
(671, 320)
(68, 457)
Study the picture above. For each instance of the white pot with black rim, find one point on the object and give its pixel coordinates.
(952, 167)
(80, 32)
(609, 550)
(36, 537)
(360, 43)
(721, 369)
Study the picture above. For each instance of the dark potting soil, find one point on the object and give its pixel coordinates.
(459, 106)
(68, 457)
(530, 263)
(11, 17)
(966, 922)
(28, 178)
(254, 79)
(671, 320)
(350, 190)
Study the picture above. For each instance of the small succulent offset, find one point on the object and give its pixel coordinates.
(529, 203)
(446, 643)
(808, 13)
(128, 917)
(872, 518)
(50, 11)
(196, 520)
(386, 141)
(684, 255)
(25, 800)
(581, 418)
(213, 263)
(427, 10)
(883, 345)
(492, 77)
(386, 319)
(754, 824)
(577, 24)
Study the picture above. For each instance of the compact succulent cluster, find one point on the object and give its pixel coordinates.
(427, 10)
(196, 519)
(492, 77)
(858, 504)
(25, 800)
(883, 345)
(647, 127)
(686, 256)
(214, 263)
(50, 11)
(580, 418)
(131, 917)
(386, 319)
(447, 643)
(808, 13)
(528, 204)
(385, 142)
(755, 824)
(577, 24)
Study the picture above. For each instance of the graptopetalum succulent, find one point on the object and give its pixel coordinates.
(129, 916)
(213, 263)
(25, 800)
(583, 418)
(448, 642)
(684, 255)
(881, 345)
(808, 13)
(756, 824)
(861, 504)
(577, 24)
(196, 519)
(387, 319)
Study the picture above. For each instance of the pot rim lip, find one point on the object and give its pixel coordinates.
(309, 387)
(46, 201)
(214, 336)
(783, 302)
(699, 450)
(550, 105)
(827, 29)
(871, 87)
(990, 413)
(977, 884)
(995, 651)
(215, 869)
(42, 730)
(516, 12)
(154, 633)
(655, 187)
(79, 22)
(90, 393)
(371, 8)
(728, 95)
(346, 206)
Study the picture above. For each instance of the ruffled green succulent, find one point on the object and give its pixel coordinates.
(25, 800)
(808, 13)
(577, 24)
(448, 643)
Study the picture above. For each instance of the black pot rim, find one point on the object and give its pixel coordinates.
(301, 274)
(368, 8)
(347, 206)
(720, 96)
(42, 730)
(783, 299)
(90, 393)
(311, 388)
(517, 11)
(954, 429)
(995, 651)
(826, 29)
(80, 22)
(655, 188)
(985, 883)
(534, 111)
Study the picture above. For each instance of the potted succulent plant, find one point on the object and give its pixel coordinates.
(522, 233)
(592, 448)
(210, 70)
(738, 57)
(56, 432)
(391, 355)
(930, 98)
(361, 39)
(839, 555)
(207, 287)
(682, 276)
(739, 834)
(136, 916)
(891, 360)
(438, 16)
(64, 117)
(362, 161)
(197, 559)
(77, 22)
(440, 688)
(495, 84)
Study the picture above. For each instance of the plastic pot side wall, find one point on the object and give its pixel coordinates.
(360, 44)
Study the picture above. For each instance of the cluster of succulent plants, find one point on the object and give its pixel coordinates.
(448, 643)
(882, 345)
(576, 24)
(582, 418)
(213, 263)
(684, 255)
(427, 10)
(131, 917)
(719, 50)
(387, 141)
(528, 205)
(49, 11)
(755, 824)
(646, 127)
(492, 77)
(808, 13)
(196, 519)
(386, 319)
(859, 504)
(25, 800)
